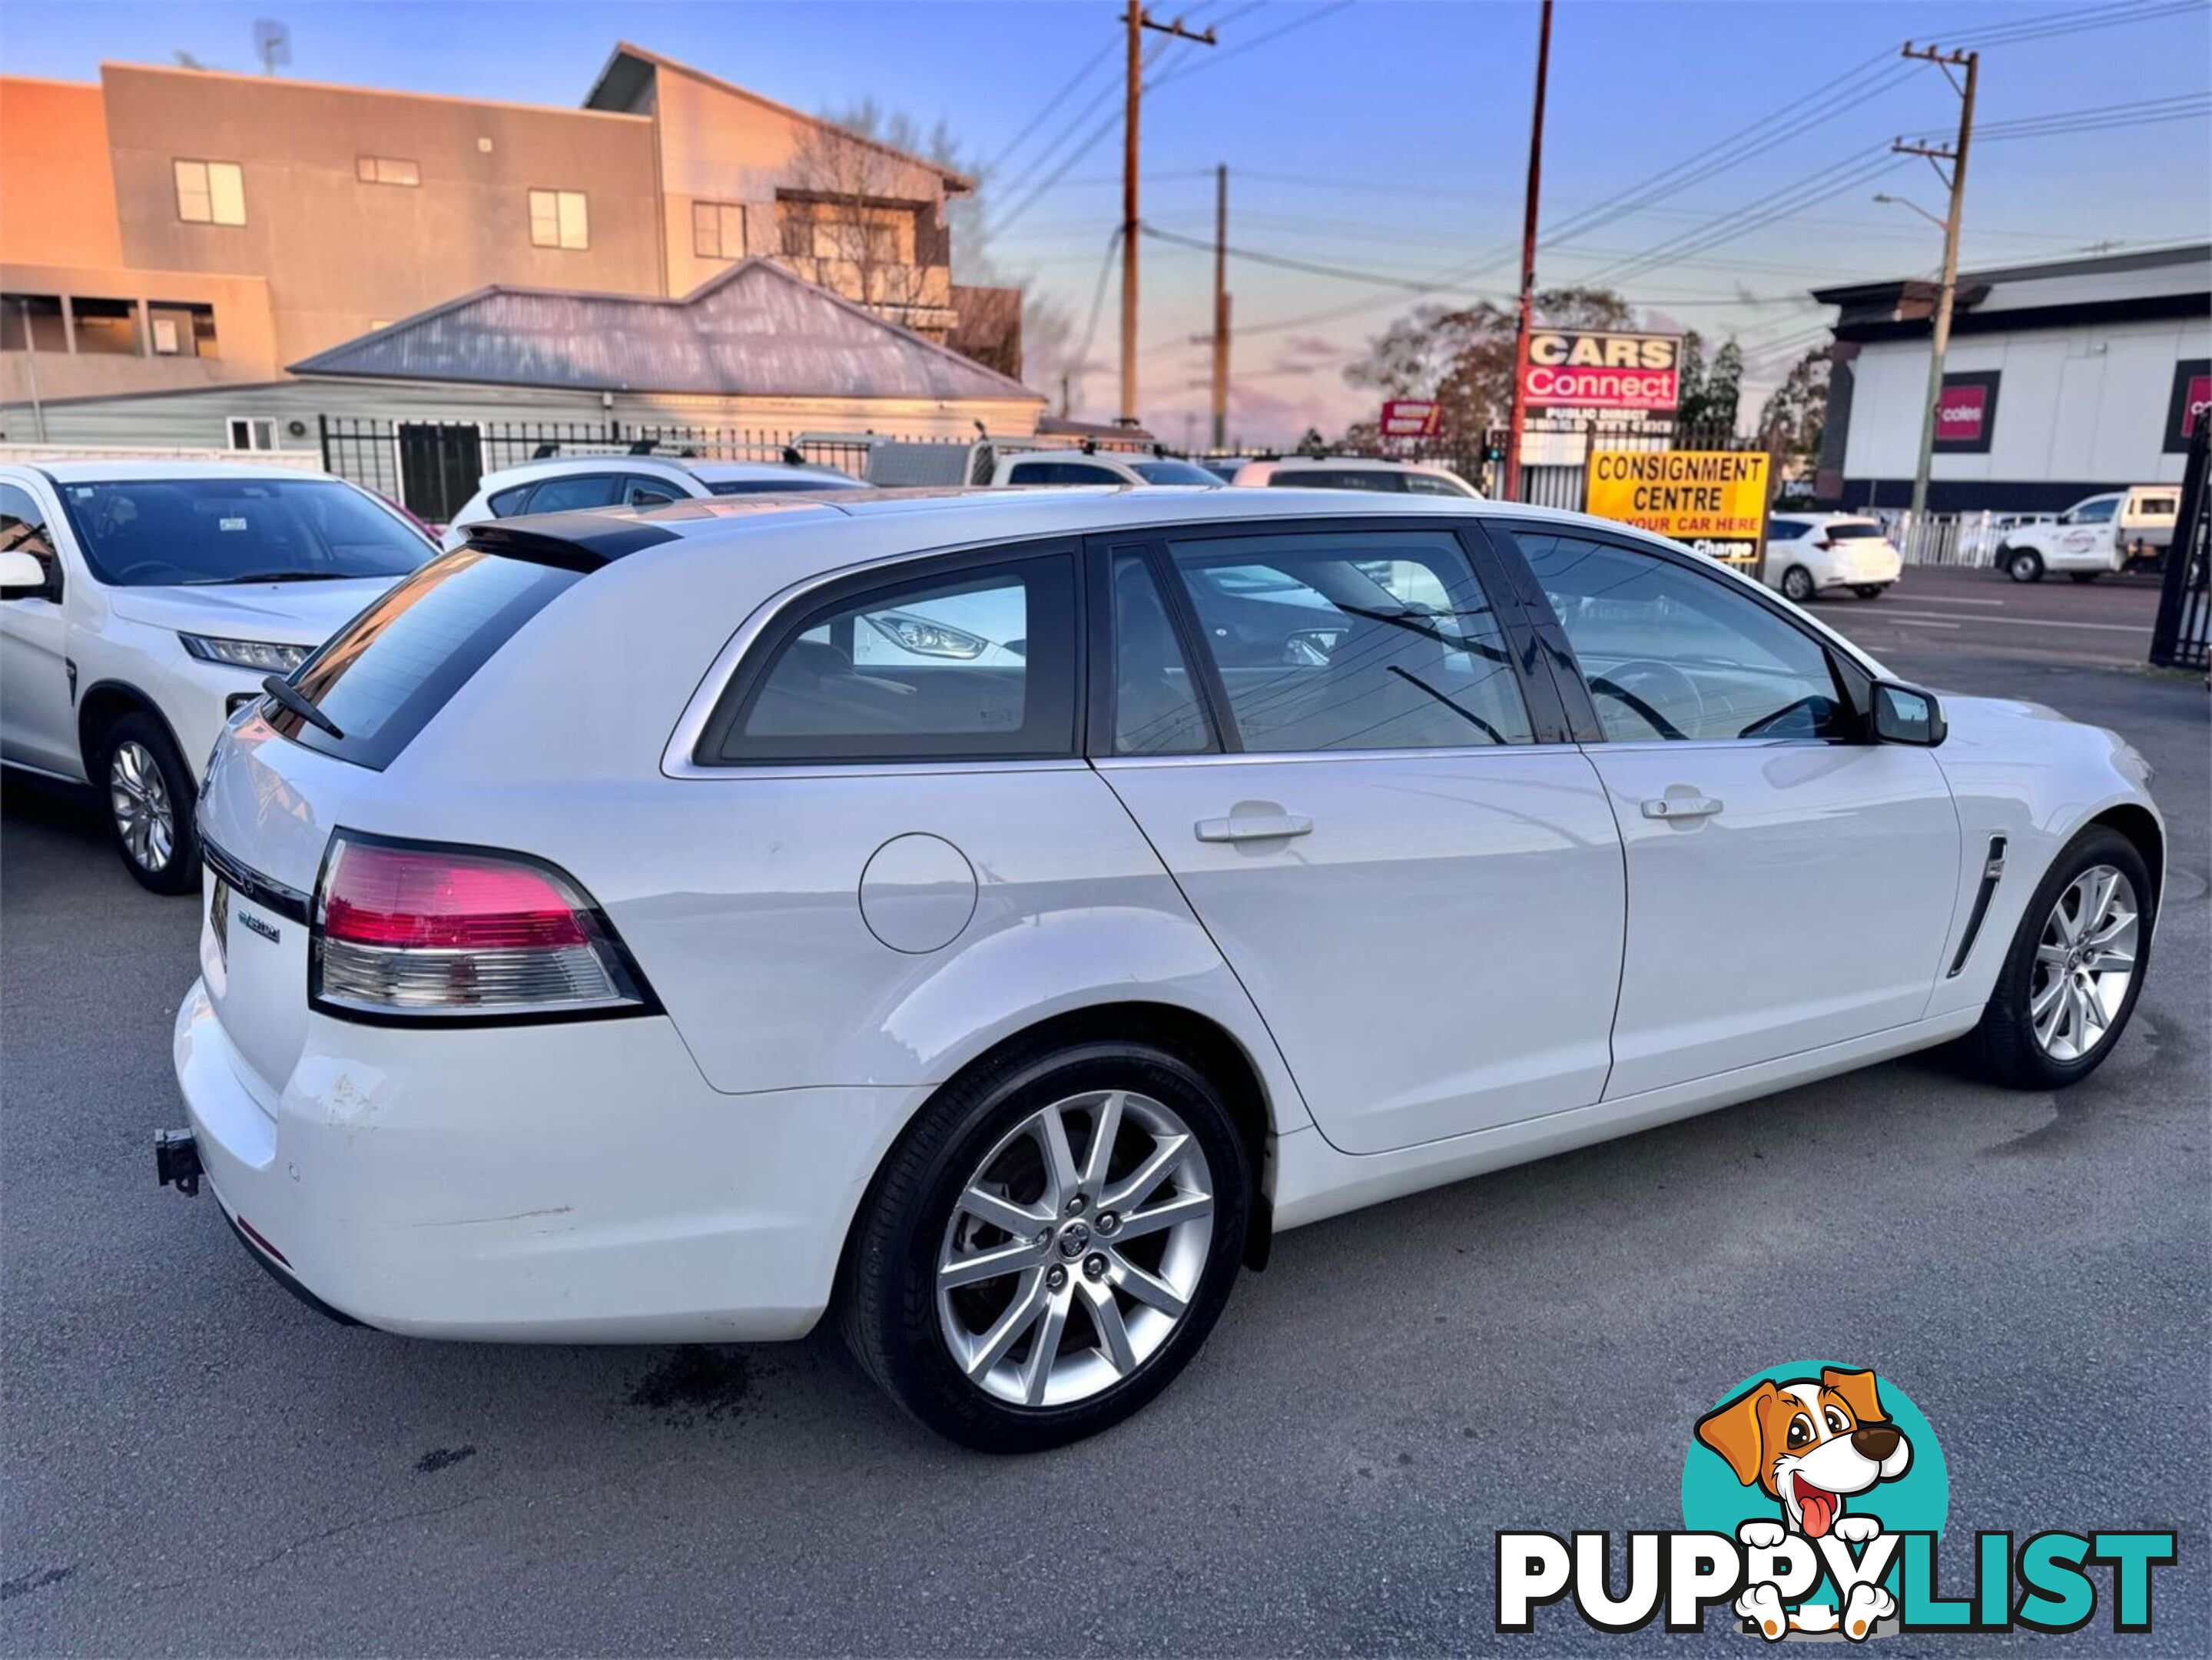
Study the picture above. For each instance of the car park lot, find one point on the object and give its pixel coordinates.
(1936, 613)
(197, 1463)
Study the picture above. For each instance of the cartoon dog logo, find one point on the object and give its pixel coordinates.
(1811, 1444)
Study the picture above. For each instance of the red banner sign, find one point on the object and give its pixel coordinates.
(1410, 417)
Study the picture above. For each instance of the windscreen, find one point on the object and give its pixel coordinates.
(184, 532)
(382, 676)
(1172, 472)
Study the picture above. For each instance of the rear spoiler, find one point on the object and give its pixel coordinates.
(580, 541)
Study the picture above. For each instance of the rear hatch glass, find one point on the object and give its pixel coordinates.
(381, 678)
(1854, 530)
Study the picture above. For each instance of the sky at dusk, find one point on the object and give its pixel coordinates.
(1384, 138)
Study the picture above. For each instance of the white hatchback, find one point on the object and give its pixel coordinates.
(566, 483)
(994, 917)
(1812, 553)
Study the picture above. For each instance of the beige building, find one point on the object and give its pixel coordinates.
(169, 230)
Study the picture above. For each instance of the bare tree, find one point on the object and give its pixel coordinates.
(856, 219)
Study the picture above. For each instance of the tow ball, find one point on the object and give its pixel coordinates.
(177, 1161)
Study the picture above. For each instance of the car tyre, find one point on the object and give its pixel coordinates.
(1798, 586)
(150, 794)
(1871, 590)
(901, 1321)
(2024, 565)
(2083, 575)
(2007, 1048)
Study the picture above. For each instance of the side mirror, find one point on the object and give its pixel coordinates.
(1906, 714)
(21, 575)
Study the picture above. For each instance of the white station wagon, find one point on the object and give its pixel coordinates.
(993, 917)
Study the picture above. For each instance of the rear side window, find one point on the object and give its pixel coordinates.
(508, 500)
(977, 663)
(382, 676)
(590, 490)
(1785, 530)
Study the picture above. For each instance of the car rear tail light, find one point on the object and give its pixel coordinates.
(1824, 544)
(417, 931)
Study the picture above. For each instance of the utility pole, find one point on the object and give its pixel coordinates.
(1936, 155)
(1513, 435)
(1138, 19)
(1220, 306)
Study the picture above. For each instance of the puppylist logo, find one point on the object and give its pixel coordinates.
(1813, 1498)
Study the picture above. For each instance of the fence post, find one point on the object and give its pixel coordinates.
(2178, 638)
(323, 433)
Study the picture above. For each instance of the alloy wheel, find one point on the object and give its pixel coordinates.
(2084, 964)
(138, 796)
(1074, 1249)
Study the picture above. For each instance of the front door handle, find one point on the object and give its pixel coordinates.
(1681, 806)
(1254, 822)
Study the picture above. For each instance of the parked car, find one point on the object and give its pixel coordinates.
(564, 484)
(2096, 535)
(907, 908)
(1094, 467)
(1225, 467)
(1355, 472)
(141, 602)
(1809, 552)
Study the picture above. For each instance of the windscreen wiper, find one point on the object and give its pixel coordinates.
(299, 703)
(278, 576)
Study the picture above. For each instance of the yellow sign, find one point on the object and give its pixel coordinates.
(1713, 499)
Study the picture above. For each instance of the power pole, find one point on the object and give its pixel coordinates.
(1513, 433)
(1936, 155)
(1220, 306)
(1138, 19)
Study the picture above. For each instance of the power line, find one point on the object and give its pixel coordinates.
(1051, 104)
(1255, 43)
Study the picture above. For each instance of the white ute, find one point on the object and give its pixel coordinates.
(2097, 536)
(991, 916)
(142, 602)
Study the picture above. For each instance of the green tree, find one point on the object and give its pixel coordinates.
(1794, 412)
(1462, 356)
(1710, 392)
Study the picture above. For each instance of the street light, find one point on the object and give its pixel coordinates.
(1902, 201)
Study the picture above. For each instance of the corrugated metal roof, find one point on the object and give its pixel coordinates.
(756, 331)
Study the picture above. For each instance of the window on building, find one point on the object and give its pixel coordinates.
(386, 170)
(108, 326)
(31, 321)
(559, 219)
(211, 193)
(829, 230)
(253, 433)
(182, 329)
(718, 230)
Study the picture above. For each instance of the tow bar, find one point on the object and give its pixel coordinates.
(177, 1161)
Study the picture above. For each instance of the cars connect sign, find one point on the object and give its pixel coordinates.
(1715, 501)
(1602, 369)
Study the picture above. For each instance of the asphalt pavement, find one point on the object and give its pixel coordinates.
(196, 1463)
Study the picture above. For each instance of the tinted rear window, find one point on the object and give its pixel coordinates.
(1340, 478)
(799, 482)
(1850, 531)
(382, 676)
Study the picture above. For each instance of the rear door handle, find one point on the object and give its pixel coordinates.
(1681, 806)
(1254, 826)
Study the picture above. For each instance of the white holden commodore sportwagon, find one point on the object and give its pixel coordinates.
(991, 917)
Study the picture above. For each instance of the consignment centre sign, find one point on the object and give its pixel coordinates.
(1713, 499)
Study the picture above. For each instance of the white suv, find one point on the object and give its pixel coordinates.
(1096, 467)
(1355, 472)
(567, 483)
(992, 916)
(140, 604)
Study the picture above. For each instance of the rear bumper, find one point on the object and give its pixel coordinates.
(544, 1183)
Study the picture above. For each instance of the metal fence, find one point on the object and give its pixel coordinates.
(2181, 638)
(1965, 541)
(432, 467)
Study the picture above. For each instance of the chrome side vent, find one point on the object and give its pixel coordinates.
(1992, 873)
